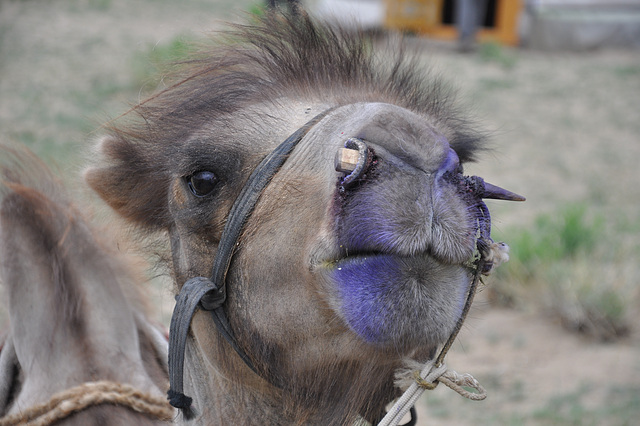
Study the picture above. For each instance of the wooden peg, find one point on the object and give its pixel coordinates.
(346, 160)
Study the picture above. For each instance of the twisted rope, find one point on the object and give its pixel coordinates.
(458, 382)
(428, 379)
(67, 402)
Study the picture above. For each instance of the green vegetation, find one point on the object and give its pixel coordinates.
(621, 406)
(553, 238)
(618, 406)
(100, 5)
(564, 262)
(152, 65)
(496, 53)
(257, 9)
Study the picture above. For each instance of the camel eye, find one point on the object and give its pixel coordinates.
(202, 183)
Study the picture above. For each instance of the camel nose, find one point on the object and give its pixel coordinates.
(451, 164)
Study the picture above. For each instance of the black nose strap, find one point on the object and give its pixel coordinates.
(210, 294)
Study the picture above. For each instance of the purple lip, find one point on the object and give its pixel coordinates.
(378, 291)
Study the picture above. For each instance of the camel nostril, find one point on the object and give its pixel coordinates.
(352, 160)
(451, 164)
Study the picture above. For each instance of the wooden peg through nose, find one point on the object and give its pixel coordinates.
(346, 160)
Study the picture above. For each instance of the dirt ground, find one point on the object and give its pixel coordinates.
(535, 372)
(566, 129)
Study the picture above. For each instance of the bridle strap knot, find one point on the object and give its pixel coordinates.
(196, 293)
(213, 298)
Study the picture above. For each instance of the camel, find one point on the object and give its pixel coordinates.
(77, 321)
(317, 222)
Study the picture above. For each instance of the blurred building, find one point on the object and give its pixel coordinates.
(540, 24)
(581, 24)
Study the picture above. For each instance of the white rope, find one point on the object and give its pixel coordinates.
(428, 379)
(411, 395)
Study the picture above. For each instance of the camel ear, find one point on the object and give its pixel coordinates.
(132, 181)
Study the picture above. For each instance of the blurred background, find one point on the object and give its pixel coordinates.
(555, 334)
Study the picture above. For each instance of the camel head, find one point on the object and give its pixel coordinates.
(77, 330)
(344, 267)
